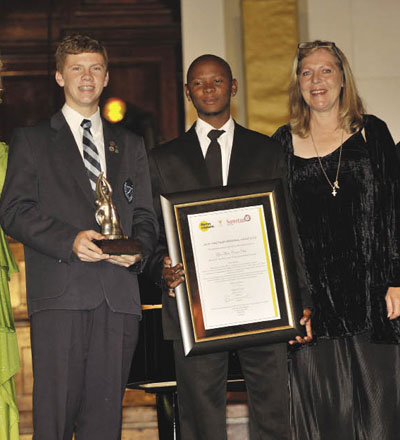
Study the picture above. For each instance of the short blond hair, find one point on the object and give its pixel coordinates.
(351, 108)
(77, 44)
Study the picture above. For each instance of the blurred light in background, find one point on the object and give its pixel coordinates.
(114, 110)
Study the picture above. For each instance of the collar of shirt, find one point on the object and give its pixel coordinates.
(74, 120)
(225, 141)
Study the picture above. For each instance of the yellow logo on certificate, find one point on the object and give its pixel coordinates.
(205, 226)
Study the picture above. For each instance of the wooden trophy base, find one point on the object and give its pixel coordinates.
(119, 246)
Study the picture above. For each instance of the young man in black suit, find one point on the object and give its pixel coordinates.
(83, 304)
(184, 164)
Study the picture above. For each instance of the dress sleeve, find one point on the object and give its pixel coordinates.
(386, 168)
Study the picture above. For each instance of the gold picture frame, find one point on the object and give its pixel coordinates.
(237, 249)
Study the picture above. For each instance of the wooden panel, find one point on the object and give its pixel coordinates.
(147, 83)
(17, 284)
(28, 99)
(143, 41)
(24, 378)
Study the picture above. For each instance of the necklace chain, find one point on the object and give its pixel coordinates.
(334, 185)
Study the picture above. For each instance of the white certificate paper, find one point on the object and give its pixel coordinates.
(233, 267)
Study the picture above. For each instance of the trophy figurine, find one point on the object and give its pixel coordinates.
(107, 218)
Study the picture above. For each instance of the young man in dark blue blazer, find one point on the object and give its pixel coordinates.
(83, 304)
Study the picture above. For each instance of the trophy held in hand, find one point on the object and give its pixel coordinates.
(114, 243)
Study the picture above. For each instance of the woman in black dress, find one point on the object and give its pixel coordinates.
(344, 179)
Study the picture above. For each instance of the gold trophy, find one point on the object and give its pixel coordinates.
(107, 217)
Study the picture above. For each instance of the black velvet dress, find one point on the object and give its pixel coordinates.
(346, 385)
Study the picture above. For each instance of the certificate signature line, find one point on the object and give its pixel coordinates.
(239, 305)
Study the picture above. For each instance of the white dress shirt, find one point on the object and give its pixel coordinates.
(74, 120)
(225, 141)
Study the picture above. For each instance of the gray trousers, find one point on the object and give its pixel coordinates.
(81, 363)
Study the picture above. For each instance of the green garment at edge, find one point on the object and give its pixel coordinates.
(9, 356)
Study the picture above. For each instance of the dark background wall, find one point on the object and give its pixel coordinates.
(143, 39)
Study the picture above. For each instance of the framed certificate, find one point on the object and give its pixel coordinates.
(236, 247)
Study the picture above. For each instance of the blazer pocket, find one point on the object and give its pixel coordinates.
(46, 277)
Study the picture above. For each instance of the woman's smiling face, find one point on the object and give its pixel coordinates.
(321, 80)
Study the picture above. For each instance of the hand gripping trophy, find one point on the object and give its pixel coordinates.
(107, 217)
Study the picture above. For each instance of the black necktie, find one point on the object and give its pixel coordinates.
(91, 156)
(213, 159)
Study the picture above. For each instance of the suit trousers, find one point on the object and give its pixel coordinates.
(81, 363)
(202, 382)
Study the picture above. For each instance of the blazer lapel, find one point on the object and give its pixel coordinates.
(113, 149)
(239, 156)
(63, 140)
(194, 156)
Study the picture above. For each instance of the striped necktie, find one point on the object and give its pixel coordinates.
(91, 156)
(213, 158)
